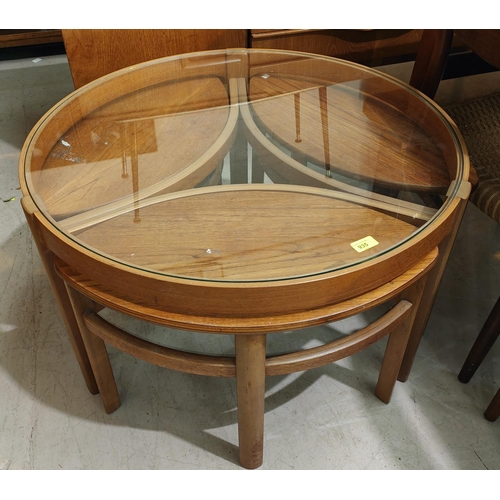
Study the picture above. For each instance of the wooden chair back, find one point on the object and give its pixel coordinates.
(434, 50)
(485, 43)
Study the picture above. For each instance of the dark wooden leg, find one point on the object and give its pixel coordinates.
(396, 344)
(493, 410)
(485, 340)
(61, 295)
(430, 61)
(251, 384)
(98, 355)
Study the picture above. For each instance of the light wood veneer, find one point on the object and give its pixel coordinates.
(222, 192)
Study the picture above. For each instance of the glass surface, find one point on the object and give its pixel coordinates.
(243, 165)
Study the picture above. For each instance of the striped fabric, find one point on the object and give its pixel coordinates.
(479, 122)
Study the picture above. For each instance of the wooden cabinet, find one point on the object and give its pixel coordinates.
(21, 38)
(94, 53)
(102, 51)
(369, 47)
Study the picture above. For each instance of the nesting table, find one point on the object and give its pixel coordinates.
(244, 192)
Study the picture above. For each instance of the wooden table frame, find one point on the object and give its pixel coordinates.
(84, 282)
(81, 298)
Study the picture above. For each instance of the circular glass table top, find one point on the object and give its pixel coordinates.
(243, 165)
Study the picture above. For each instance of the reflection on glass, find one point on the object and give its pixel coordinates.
(243, 167)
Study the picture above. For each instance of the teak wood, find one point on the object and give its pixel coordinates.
(228, 192)
(372, 47)
(250, 366)
(93, 53)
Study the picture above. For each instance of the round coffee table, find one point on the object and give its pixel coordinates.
(244, 192)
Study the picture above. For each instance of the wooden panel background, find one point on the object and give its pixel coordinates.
(20, 38)
(370, 47)
(94, 53)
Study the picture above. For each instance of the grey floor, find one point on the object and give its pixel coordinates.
(326, 418)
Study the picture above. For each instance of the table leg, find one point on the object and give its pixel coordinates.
(429, 295)
(238, 160)
(396, 344)
(61, 296)
(257, 169)
(98, 355)
(250, 384)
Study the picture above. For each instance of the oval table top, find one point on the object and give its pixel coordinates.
(243, 166)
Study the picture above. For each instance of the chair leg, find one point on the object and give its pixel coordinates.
(493, 410)
(485, 340)
(431, 60)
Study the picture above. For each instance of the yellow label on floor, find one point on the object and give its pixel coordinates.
(364, 244)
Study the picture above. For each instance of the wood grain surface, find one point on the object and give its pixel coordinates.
(265, 250)
(150, 224)
(93, 162)
(93, 53)
(245, 234)
(366, 138)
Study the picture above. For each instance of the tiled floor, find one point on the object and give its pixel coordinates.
(327, 418)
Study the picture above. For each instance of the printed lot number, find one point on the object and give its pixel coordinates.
(364, 244)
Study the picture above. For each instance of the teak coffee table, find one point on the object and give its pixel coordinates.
(244, 192)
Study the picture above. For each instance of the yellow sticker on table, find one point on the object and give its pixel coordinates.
(364, 244)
